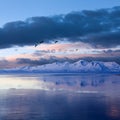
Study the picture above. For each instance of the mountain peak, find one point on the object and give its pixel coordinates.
(81, 66)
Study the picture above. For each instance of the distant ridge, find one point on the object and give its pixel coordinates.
(81, 66)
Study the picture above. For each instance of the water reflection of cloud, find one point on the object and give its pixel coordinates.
(19, 83)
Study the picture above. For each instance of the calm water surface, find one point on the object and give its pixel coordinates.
(60, 97)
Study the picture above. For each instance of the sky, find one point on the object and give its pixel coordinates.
(12, 10)
(37, 32)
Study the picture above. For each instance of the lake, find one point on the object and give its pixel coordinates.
(60, 97)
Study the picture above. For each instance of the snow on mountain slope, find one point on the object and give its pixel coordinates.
(80, 66)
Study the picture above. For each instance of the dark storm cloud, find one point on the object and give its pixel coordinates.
(100, 28)
(53, 59)
(6, 64)
(3, 63)
(43, 61)
(106, 39)
(109, 51)
(103, 59)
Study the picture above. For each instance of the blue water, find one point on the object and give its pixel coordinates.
(60, 97)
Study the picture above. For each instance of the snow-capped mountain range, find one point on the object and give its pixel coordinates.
(80, 66)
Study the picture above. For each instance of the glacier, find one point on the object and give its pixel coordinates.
(81, 66)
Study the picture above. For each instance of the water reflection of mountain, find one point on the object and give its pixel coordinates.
(82, 80)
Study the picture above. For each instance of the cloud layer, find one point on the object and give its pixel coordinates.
(100, 28)
(53, 59)
(44, 61)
